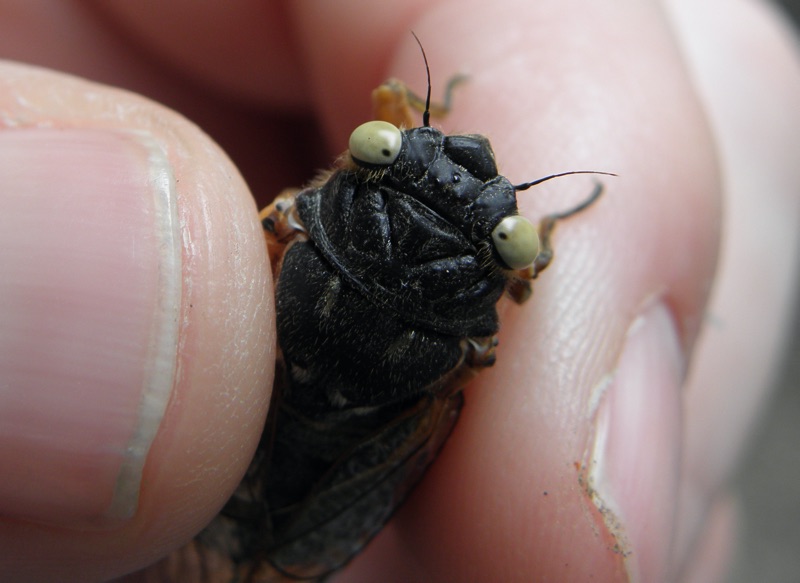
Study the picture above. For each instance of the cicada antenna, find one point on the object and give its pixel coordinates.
(527, 185)
(550, 220)
(426, 115)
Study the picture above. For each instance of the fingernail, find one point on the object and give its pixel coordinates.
(634, 457)
(90, 287)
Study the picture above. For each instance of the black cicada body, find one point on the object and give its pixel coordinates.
(388, 271)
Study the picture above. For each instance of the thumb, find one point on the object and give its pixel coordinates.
(135, 328)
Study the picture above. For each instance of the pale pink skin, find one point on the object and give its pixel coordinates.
(589, 408)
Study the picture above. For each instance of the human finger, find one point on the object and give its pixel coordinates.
(139, 328)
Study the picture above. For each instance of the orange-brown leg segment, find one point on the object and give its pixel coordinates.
(394, 102)
(548, 224)
(281, 226)
(519, 286)
(479, 353)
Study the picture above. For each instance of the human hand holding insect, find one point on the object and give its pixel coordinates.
(527, 423)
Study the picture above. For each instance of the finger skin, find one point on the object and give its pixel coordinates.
(747, 70)
(246, 47)
(557, 86)
(199, 454)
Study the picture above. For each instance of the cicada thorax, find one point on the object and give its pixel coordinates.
(394, 281)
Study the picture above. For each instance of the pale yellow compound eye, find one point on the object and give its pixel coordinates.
(376, 143)
(516, 241)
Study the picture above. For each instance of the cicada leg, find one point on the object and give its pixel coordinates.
(479, 353)
(548, 224)
(393, 101)
(281, 225)
(519, 286)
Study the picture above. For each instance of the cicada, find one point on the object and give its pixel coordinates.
(388, 269)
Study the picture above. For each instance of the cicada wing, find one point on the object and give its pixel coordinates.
(357, 496)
